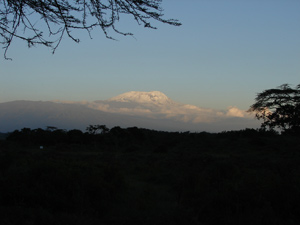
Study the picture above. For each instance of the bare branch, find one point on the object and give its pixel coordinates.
(60, 17)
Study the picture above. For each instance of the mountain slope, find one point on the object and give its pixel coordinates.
(36, 114)
(152, 97)
(153, 110)
(153, 104)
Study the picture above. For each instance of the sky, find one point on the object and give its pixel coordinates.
(224, 53)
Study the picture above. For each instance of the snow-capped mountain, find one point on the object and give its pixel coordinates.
(157, 105)
(152, 97)
(153, 110)
(153, 104)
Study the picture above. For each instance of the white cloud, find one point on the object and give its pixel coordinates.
(235, 112)
(172, 110)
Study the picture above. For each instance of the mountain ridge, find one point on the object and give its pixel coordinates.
(153, 110)
(154, 97)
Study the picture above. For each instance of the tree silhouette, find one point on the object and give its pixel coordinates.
(61, 17)
(97, 129)
(279, 107)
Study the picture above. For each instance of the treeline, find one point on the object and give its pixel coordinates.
(95, 134)
(123, 176)
(101, 134)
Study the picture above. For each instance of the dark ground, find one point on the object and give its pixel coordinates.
(139, 176)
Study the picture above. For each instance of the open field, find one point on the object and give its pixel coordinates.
(138, 176)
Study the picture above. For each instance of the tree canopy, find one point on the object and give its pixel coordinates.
(279, 107)
(29, 20)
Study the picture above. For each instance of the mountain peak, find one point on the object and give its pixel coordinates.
(155, 97)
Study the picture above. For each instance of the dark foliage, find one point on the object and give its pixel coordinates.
(140, 176)
(279, 108)
(96, 129)
(60, 17)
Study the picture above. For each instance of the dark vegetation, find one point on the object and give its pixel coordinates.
(139, 176)
(279, 108)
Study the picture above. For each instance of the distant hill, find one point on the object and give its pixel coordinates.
(152, 110)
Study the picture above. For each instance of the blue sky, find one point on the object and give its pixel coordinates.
(223, 54)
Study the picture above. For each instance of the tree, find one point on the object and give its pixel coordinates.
(61, 17)
(279, 107)
(96, 129)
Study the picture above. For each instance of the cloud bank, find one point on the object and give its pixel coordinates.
(157, 105)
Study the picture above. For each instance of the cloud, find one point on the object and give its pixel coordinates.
(235, 112)
(175, 111)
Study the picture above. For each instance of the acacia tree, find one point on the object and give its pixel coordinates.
(29, 19)
(279, 107)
